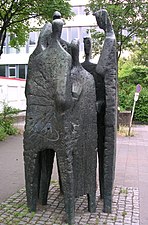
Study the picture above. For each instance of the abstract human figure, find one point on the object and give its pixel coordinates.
(84, 123)
(47, 129)
(65, 44)
(43, 42)
(45, 36)
(61, 119)
(100, 102)
(107, 68)
(87, 64)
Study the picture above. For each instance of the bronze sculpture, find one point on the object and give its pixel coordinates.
(70, 113)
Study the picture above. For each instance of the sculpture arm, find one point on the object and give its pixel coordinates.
(104, 56)
(76, 90)
(63, 90)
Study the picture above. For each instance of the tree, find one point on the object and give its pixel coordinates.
(140, 56)
(128, 18)
(15, 17)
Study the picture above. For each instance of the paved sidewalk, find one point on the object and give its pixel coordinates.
(132, 166)
(11, 166)
(131, 178)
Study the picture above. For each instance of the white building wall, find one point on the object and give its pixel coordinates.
(12, 92)
(13, 58)
(78, 2)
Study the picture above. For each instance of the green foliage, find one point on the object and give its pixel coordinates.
(140, 56)
(15, 17)
(141, 109)
(15, 212)
(125, 67)
(6, 122)
(18, 35)
(127, 88)
(97, 41)
(127, 16)
(3, 134)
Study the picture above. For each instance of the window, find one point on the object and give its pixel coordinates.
(22, 49)
(64, 34)
(78, 10)
(2, 71)
(5, 42)
(12, 71)
(12, 50)
(74, 32)
(75, 9)
(4, 50)
(82, 10)
(22, 71)
(32, 40)
(85, 31)
(11, 37)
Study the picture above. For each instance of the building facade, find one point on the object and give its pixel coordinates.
(13, 62)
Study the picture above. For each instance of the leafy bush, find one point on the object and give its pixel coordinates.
(3, 134)
(6, 122)
(139, 55)
(141, 109)
(125, 67)
(127, 87)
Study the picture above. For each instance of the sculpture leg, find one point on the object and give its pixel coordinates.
(101, 159)
(101, 172)
(109, 168)
(92, 202)
(66, 173)
(31, 159)
(47, 160)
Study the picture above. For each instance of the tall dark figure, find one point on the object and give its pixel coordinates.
(107, 68)
(105, 75)
(84, 122)
(100, 103)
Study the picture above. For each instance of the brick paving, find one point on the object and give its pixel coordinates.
(125, 209)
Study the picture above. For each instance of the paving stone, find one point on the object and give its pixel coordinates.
(125, 209)
(21, 223)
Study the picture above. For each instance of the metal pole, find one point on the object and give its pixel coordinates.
(138, 89)
(131, 118)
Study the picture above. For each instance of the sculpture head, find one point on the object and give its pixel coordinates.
(87, 46)
(75, 51)
(56, 15)
(57, 26)
(103, 19)
(45, 35)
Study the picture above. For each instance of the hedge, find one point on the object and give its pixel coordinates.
(127, 87)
